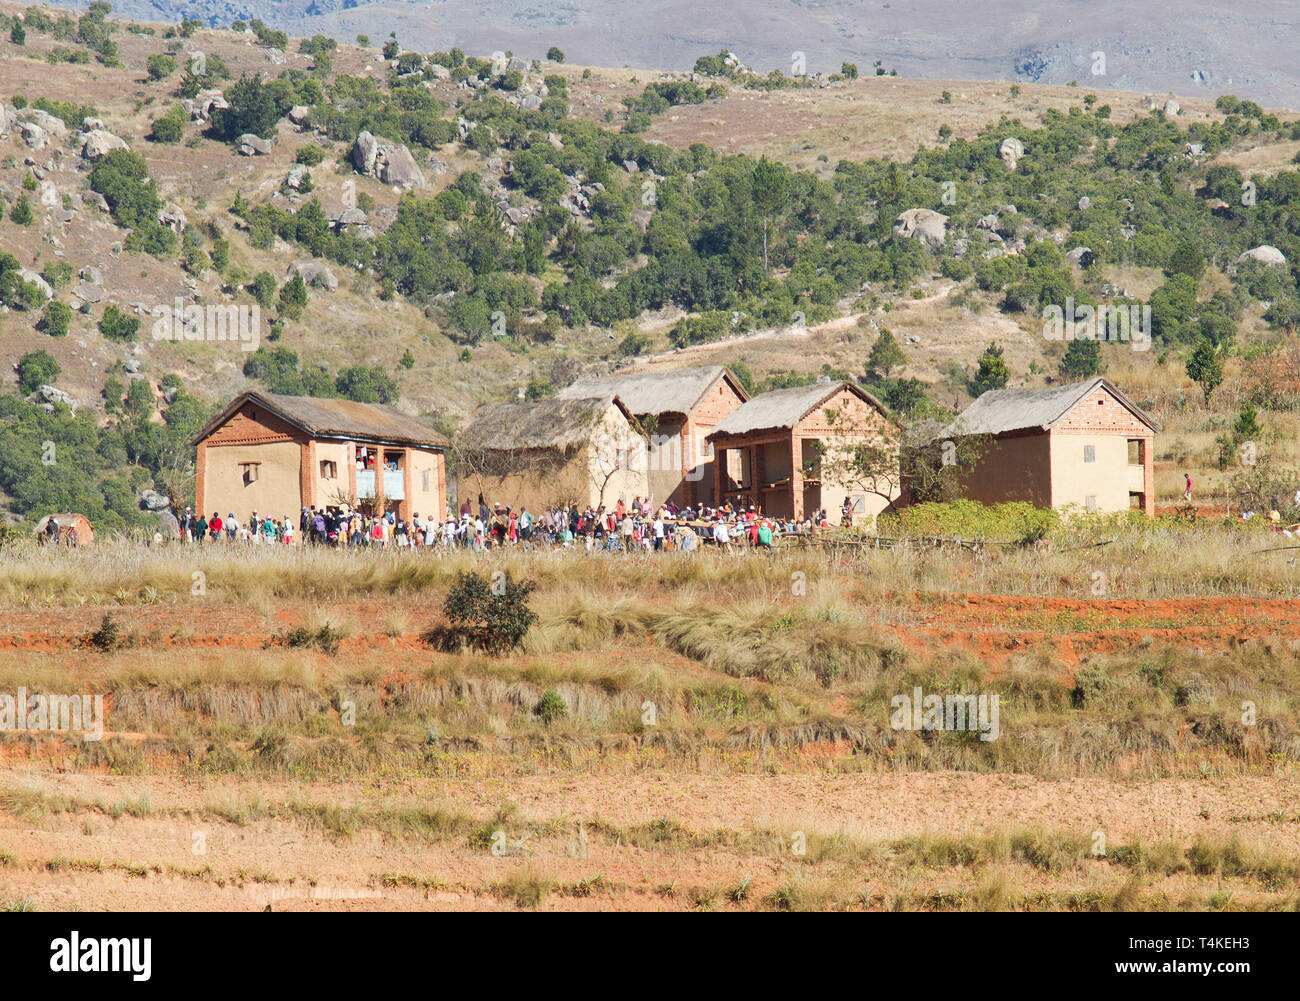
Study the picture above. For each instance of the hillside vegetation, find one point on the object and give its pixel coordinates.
(437, 230)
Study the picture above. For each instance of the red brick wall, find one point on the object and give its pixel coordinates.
(721, 399)
(1100, 413)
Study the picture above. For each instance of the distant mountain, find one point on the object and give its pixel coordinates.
(1186, 47)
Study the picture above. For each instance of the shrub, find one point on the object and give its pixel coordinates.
(170, 128)
(492, 617)
(36, 369)
(325, 639)
(108, 636)
(21, 213)
(160, 66)
(57, 319)
(551, 707)
(1018, 522)
(117, 326)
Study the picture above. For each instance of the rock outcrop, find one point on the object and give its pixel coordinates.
(923, 224)
(390, 163)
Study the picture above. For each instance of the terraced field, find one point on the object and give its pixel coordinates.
(291, 738)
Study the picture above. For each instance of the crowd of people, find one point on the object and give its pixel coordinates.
(626, 527)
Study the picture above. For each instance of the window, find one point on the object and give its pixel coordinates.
(424, 480)
(1135, 452)
(1136, 501)
(1090, 502)
(248, 472)
(329, 469)
(1089, 453)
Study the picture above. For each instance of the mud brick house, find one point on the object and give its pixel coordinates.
(586, 451)
(677, 409)
(277, 454)
(1083, 444)
(783, 452)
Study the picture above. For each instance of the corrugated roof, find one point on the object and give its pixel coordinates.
(1002, 411)
(327, 418)
(784, 408)
(555, 423)
(675, 391)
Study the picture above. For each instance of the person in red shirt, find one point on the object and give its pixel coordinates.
(1187, 493)
(214, 527)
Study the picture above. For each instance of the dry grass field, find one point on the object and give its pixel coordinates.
(727, 743)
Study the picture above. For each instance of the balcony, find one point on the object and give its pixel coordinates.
(394, 484)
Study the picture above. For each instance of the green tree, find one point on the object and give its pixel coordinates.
(114, 394)
(140, 401)
(21, 213)
(408, 359)
(118, 326)
(293, 297)
(160, 66)
(36, 369)
(769, 188)
(1204, 368)
(263, 289)
(1082, 359)
(57, 318)
(365, 385)
(493, 617)
(849, 71)
(1187, 259)
(554, 54)
(992, 372)
(254, 107)
(885, 354)
(17, 33)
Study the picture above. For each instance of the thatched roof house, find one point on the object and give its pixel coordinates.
(73, 528)
(660, 391)
(782, 409)
(586, 451)
(559, 425)
(678, 408)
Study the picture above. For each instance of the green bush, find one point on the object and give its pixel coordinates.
(170, 128)
(1017, 522)
(21, 213)
(160, 66)
(57, 318)
(36, 369)
(117, 325)
(492, 617)
(551, 706)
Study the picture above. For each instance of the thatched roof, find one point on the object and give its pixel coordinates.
(784, 408)
(675, 391)
(327, 418)
(556, 424)
(1003, 411)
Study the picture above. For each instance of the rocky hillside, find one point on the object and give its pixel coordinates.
(438, 229)
(1196, 46)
